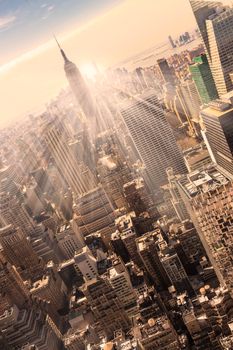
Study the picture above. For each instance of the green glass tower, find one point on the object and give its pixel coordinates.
(203, 79)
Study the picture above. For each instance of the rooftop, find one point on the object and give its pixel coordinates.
(202, 181)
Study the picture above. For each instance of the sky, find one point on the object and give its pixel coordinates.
(103, 31)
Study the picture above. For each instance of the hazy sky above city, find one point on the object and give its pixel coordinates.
(103, 31)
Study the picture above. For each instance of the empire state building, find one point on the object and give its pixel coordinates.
(79, 88)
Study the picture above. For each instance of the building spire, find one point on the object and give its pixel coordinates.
(61, 50)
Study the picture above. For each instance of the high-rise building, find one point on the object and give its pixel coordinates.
(50, 288)
(148, 249)
(176, 272)
(215, 23)
(17, 249)
(12, 286)
(190, 102)
(120, 280)
(88, 103)
(114, 173)
(139, 198)
(69, 239)
(152, 137)
(57, 139)
(94, 212)
(176, 199)
(13, 212)
(31, 325)
(217, 119)
(167, 73)
(203, 79)
(157, 333)
(106, 307)
(208, 196)
(201, 331)
(86, 264)
(171, 42)
(79, 87)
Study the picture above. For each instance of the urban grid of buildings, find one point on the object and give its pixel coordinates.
(116, 205)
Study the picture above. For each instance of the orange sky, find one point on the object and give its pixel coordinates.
(129, 28)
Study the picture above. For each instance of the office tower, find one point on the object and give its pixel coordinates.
(50, 288)
(12, 211)
(17, 249)
(118, 247)
(57, 139)
(119, 279)
(31, 325)
(106, 306)
(139, 73)
(217, 119)
(69, 239)
(157, 333)
(42, 241)
(139, 198)
(148, 248)
(85, 263)
(176, 272)
(171, 42)
(152, 137)
(189, 100)
(34, 199)
(187, 236)
(215, 23)
(86, 101)
(114, 173)
(203, 79)
(43, 181)
(166, 72)
(12, 286)
(150, 305)
(128, 236)
(28, 159)
(201, 331)
(209, 204)
(79, 87)
(11, 178)
(94, 212)
(176, 199)
(218, 306)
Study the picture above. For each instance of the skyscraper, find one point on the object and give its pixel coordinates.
(85, 99)
(217, 119)
(106, 306)
(57, 139)
(166, 71)
(152, 137)
(208, 198)
(17, 250)
(12, 286)
(79, 87)
(31, 325)
(203, 79)
(215, 23)
(13, 212)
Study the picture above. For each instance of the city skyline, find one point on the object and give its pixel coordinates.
(116, 194)
(86, 42)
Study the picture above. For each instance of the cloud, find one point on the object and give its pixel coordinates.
(44, 5)
(6, 21)
(50, 8)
